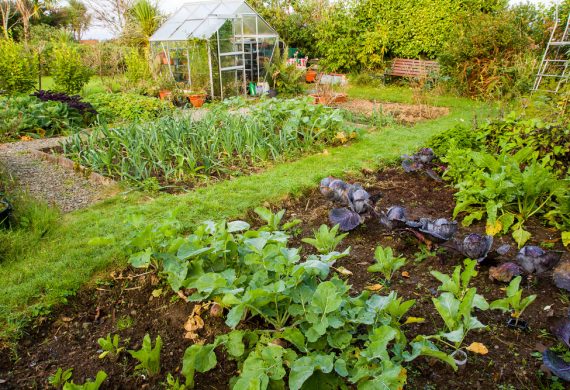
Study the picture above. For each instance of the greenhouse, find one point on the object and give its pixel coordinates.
(216, 46)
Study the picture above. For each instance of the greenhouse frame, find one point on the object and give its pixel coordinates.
(217, 46)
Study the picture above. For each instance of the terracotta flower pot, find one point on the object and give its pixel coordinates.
(164, 58)
(310, 76)
(318, 99)
(164, 94)
(197, 100)
(340, 98)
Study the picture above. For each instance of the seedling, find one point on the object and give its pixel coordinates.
(514, 300)
(60, 377)
(386, 263)
(148, 356)
(273, 220)
(110, 347)
(325, 240)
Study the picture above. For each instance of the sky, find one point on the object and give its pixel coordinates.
(170, 6)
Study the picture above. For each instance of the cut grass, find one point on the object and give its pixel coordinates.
(68, 257)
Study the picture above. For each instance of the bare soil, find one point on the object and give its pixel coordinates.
(124, 304)
(403, 113)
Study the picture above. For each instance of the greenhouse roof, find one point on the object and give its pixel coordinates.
(201, 19)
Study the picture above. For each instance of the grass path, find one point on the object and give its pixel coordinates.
(67, 258)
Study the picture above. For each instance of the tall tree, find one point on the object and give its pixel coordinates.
(27, 10)
(110, 13)
(143, 19)
(78, 18)
(7, 13)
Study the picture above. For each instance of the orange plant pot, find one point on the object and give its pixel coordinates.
(310, 76)
(197, 100)
(164, 94)
(318, 99)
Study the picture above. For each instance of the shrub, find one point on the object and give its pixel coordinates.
(27, 115)
(74, 102)
(69, 73)
(460, 136)
(137, 66)
(18, 67)
(485, 56)
(128, 106)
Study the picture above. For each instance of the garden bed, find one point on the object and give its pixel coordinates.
(124, 304)
(403, 113)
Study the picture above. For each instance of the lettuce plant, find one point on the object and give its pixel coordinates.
(386, 263)
(326, 240)
(514, 301)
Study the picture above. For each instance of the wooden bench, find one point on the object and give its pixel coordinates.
(404, 67)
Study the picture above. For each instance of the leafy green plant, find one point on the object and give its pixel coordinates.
(460, 136)
(18, 67)
(514, 300)
(62, 380)
(326, 240)
(124, 106)
(148, 356)
(178, 149)
(386, 263)
(88, 385)
(60, 377)
(308, 323)
(509, 190)
(456, 304)
(284, 78)
(174, 384)
(68, 71)
(110, 346)
(273, 220)
(29, 116)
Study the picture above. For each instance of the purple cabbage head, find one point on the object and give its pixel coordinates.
(556, 365)
(476, 246)
(504, 272)
(360, 200)
(394, 216)
(425, 155)
(440, 229)
(534, 259)
(345, 218)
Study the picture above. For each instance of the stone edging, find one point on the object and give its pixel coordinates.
(68, 164)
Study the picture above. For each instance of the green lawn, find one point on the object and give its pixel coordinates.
(67, 257)
(95, 85)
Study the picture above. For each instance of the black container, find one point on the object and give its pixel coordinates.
(272, 93)
(520, 324)
(5, 209)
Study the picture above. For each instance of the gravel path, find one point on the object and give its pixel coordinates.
(60, 187)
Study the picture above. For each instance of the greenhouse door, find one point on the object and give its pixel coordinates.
(231, 56)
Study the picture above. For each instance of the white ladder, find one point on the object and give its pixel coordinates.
(554, 64)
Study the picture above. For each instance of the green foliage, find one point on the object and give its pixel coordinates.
(254, 273)
(18, 67)
(459, 136)
(148, 356)
(62, 380)
(386, 263)
(514, 300)
(550, 142)
(273, 220)
(110, 346)
(89, 385)
(508, 190)
(456, 303)
(284, 78)
(325, 240)
(27, 115)
(129, 107)
(60, 377)
(177, 149)
(68, 71)
(137, 66)
(484, 56)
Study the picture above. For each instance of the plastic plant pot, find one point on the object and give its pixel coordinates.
(310, 76)
(272, 93)
(197, 100)
(459, 356)
(520, 324)
(5, 209)
(164, 94)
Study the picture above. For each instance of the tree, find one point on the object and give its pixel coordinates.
(143, 19)
(78, 19)
(27, 9)
(110, 13)
(7, 13)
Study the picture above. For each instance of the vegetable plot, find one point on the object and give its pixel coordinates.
(178, 149)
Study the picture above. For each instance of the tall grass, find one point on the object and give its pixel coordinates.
(224, 140)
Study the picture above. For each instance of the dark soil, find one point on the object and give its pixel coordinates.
(124, 304)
